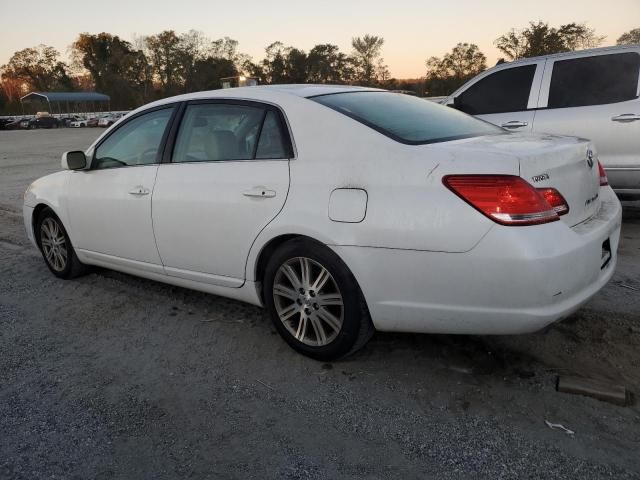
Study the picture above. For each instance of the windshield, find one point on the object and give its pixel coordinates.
(407, 119)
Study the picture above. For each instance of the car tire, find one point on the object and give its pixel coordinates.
(324, 317)
(56, 247)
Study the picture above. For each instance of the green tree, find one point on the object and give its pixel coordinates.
(367, 59)
(446, 74)
(167, 58)
(206, 73)
(296, 66)
(274, 65)
(180, 63)
(631, 37)
(116, 68)
(541, 39)
(38, 68)
(227, 48)
(326, 64)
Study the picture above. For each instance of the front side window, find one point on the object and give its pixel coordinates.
(594, 80)
(217, 132)
(135, 143)
(503, 91)
(405, 118)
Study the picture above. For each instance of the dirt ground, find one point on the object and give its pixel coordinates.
(110, 376)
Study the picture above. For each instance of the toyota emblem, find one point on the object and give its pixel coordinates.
(590, 158)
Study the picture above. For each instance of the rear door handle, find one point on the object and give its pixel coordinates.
(139, 191)
(514, 124)
(260, 192)
(626, 118)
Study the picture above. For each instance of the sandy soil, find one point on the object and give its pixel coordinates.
(111, 376)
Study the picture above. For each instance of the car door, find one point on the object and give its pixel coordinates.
(227, 178)
(109, 204)
(506, 96)
(596, 97)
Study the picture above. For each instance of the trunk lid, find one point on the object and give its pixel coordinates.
(568, 164)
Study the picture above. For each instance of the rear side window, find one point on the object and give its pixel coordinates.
(405, 118)
(215, 132)
(503, 91)
(594, 80)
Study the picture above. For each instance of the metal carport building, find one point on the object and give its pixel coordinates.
(66, 102)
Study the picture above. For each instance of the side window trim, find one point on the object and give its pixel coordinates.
(259, 133)
(543, 101)
(163, 142)
(536, 85)
(178, 118)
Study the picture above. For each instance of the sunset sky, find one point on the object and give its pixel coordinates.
(413, 30)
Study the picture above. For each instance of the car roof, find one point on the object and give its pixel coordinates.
(595, 51)
(313, 90)
(267, 93)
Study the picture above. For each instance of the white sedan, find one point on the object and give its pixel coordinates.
(342, 210)
(78, 123)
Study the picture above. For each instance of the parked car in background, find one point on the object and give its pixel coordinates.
(66, 121)
(78, 123)
(92, 122)
(24, 123)
(592, 94)
(109, 120)
(239, 193)
(15, 124)
(6, 121)
(44, 122)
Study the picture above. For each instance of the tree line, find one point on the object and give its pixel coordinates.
(168, 63)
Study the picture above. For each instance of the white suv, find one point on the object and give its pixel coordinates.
(592, 94)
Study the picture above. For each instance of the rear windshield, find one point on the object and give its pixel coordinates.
(407, 119)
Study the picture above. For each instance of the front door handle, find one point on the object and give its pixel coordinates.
(139, 191)
(260, 192)
(626, 118)
(514, 124)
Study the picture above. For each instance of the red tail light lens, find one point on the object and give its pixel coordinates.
(555, 199)
(604, 181)
(505, 199)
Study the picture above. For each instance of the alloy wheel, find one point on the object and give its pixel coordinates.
(308, 301)
(54, 244)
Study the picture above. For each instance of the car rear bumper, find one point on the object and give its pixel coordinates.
(516, 280)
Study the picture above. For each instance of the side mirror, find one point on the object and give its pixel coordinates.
(75, 160)
(458, 104)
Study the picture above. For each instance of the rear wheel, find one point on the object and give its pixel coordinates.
(315, 302)
(56, 248)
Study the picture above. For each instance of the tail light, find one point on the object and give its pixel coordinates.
(555, 199)
(604, 181)
(505, 199)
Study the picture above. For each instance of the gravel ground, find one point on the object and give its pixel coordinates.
(111, 376)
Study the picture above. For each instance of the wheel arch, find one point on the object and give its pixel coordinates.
(273, 244)
(265, 254)
(37, 211)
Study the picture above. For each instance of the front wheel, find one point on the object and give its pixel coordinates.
(56, 248)
(315, 302)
